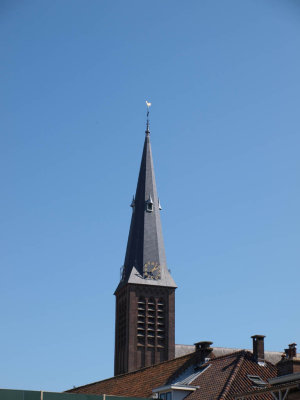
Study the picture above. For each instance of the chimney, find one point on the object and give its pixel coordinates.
(258, 348)
(289, 363)
(291, 352)
(204, 350)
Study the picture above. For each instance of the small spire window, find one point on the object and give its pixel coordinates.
(149, 207)
(149, 204)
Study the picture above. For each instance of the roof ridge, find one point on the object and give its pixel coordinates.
(233, 374)
(193, 359)
(132, 372)
(250, 353)
(227, 355)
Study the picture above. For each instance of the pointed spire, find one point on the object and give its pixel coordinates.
(145, 241)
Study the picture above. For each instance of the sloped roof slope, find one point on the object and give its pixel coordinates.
(224, 379)
(227, 376)
(135, 384)
(248, 367)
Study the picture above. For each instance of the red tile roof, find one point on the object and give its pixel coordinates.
(224, 379)
(135, 384)
(227, 376)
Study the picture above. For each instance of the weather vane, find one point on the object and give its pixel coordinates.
(148, 106)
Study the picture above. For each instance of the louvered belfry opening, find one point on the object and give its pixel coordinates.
(161, 339)
(151, 322)
(155, 327)
(141, 321)
(145, 327)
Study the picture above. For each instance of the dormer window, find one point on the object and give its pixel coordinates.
(257, 380)
(149, 207)
(149, 204)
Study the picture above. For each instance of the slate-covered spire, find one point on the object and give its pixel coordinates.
(145, 242)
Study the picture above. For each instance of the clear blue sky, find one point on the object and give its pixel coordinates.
(223, 79)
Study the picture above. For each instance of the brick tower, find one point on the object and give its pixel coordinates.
(145, 296)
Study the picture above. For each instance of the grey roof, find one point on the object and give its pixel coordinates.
(182, 349)
(145, 241)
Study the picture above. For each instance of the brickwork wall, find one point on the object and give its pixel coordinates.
(150, 327)
(290, 366)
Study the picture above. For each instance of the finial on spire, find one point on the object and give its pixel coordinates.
(147, 126)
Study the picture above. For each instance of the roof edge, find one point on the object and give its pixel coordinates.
(128, 373)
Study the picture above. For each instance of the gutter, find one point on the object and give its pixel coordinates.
(175, 387)
(284, 378)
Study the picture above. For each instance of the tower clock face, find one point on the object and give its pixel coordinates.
(152, 270)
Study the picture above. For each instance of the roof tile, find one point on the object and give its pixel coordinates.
(226, 377)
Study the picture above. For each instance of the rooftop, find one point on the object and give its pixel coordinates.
(226, 376)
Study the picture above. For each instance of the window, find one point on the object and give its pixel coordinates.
(257, 380)
(141, 321)
(149, 204)
(151, 321)
(165, 396)
(161, 323)
(149, 207)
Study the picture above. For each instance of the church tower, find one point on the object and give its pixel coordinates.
(145, 296)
